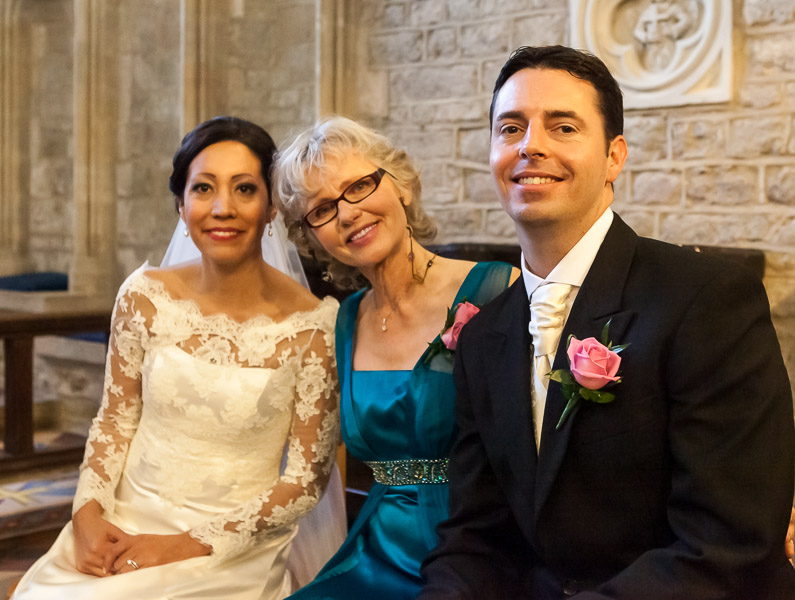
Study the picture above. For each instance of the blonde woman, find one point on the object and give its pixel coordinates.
(352, 199)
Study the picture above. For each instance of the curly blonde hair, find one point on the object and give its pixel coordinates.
(333, 138)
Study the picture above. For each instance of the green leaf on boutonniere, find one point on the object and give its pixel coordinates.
(562, 376)
(597, 396)
(604, 337)
(567, 382)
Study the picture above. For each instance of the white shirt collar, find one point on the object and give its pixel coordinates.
(573, 267)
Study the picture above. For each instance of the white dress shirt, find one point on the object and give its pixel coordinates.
(571, 270)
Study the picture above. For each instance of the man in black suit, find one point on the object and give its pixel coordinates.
(681, 486)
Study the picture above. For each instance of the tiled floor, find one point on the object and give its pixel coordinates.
(36, 501)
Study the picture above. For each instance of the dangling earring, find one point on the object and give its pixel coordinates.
(411, 247)
(270, 229)
(327, 276)
(186, 233)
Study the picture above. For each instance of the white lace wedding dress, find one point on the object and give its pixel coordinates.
(197, 413)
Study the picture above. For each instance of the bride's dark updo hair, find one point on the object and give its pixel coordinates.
(221, 129)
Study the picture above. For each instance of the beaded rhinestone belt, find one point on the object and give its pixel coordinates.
(410, 471)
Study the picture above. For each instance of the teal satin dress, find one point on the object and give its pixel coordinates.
(395, 416)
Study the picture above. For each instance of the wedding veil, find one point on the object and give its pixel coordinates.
(321, 532)
(276, 250)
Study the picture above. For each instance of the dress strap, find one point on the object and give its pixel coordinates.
(409, 471)
(484, 282)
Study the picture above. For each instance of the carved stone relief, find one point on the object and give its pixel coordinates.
(662, 52)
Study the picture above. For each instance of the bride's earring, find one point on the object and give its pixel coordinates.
(186, 233)
(270, 229)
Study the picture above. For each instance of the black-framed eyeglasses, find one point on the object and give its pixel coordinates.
(354, 193)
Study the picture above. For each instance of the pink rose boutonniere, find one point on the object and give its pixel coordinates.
(457, 316)
(593, 365)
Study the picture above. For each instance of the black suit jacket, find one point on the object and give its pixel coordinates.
(679, 489)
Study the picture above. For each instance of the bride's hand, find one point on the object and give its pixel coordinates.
(94, 536)
(148, 550)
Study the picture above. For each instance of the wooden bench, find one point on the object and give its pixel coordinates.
(18, 329)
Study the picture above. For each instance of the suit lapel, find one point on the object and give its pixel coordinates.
(598, 300)
(506, 352)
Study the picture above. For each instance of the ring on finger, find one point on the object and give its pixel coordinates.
(132, 563)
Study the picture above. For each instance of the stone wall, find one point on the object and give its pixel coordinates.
(717, 174)
(262, 67)
(272, 56)
(148, 129)
(421, 71)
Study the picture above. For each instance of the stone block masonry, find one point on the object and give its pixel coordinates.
(719, 174)
(422, 71)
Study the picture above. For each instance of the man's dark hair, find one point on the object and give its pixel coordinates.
(578, 63)
(221, 129)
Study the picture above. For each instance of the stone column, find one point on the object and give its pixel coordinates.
(348, 83)
(14, 95)
(329, 59)
(203, 78)
(93, 269)
(193, 14)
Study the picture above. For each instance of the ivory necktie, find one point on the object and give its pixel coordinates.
(547, 315)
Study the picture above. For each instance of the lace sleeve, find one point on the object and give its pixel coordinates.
(115, 424)
(311, 449)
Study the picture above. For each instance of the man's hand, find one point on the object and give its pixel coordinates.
(94, 538)
(148, 550)
(789, 545)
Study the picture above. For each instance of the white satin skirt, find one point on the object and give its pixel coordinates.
(258, 574)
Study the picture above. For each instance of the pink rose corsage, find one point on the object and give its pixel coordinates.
(457, 316)
(463, 312)
(593, 365)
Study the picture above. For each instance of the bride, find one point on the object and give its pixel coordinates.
(219, 419)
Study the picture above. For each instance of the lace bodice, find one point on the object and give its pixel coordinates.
(202, 409)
